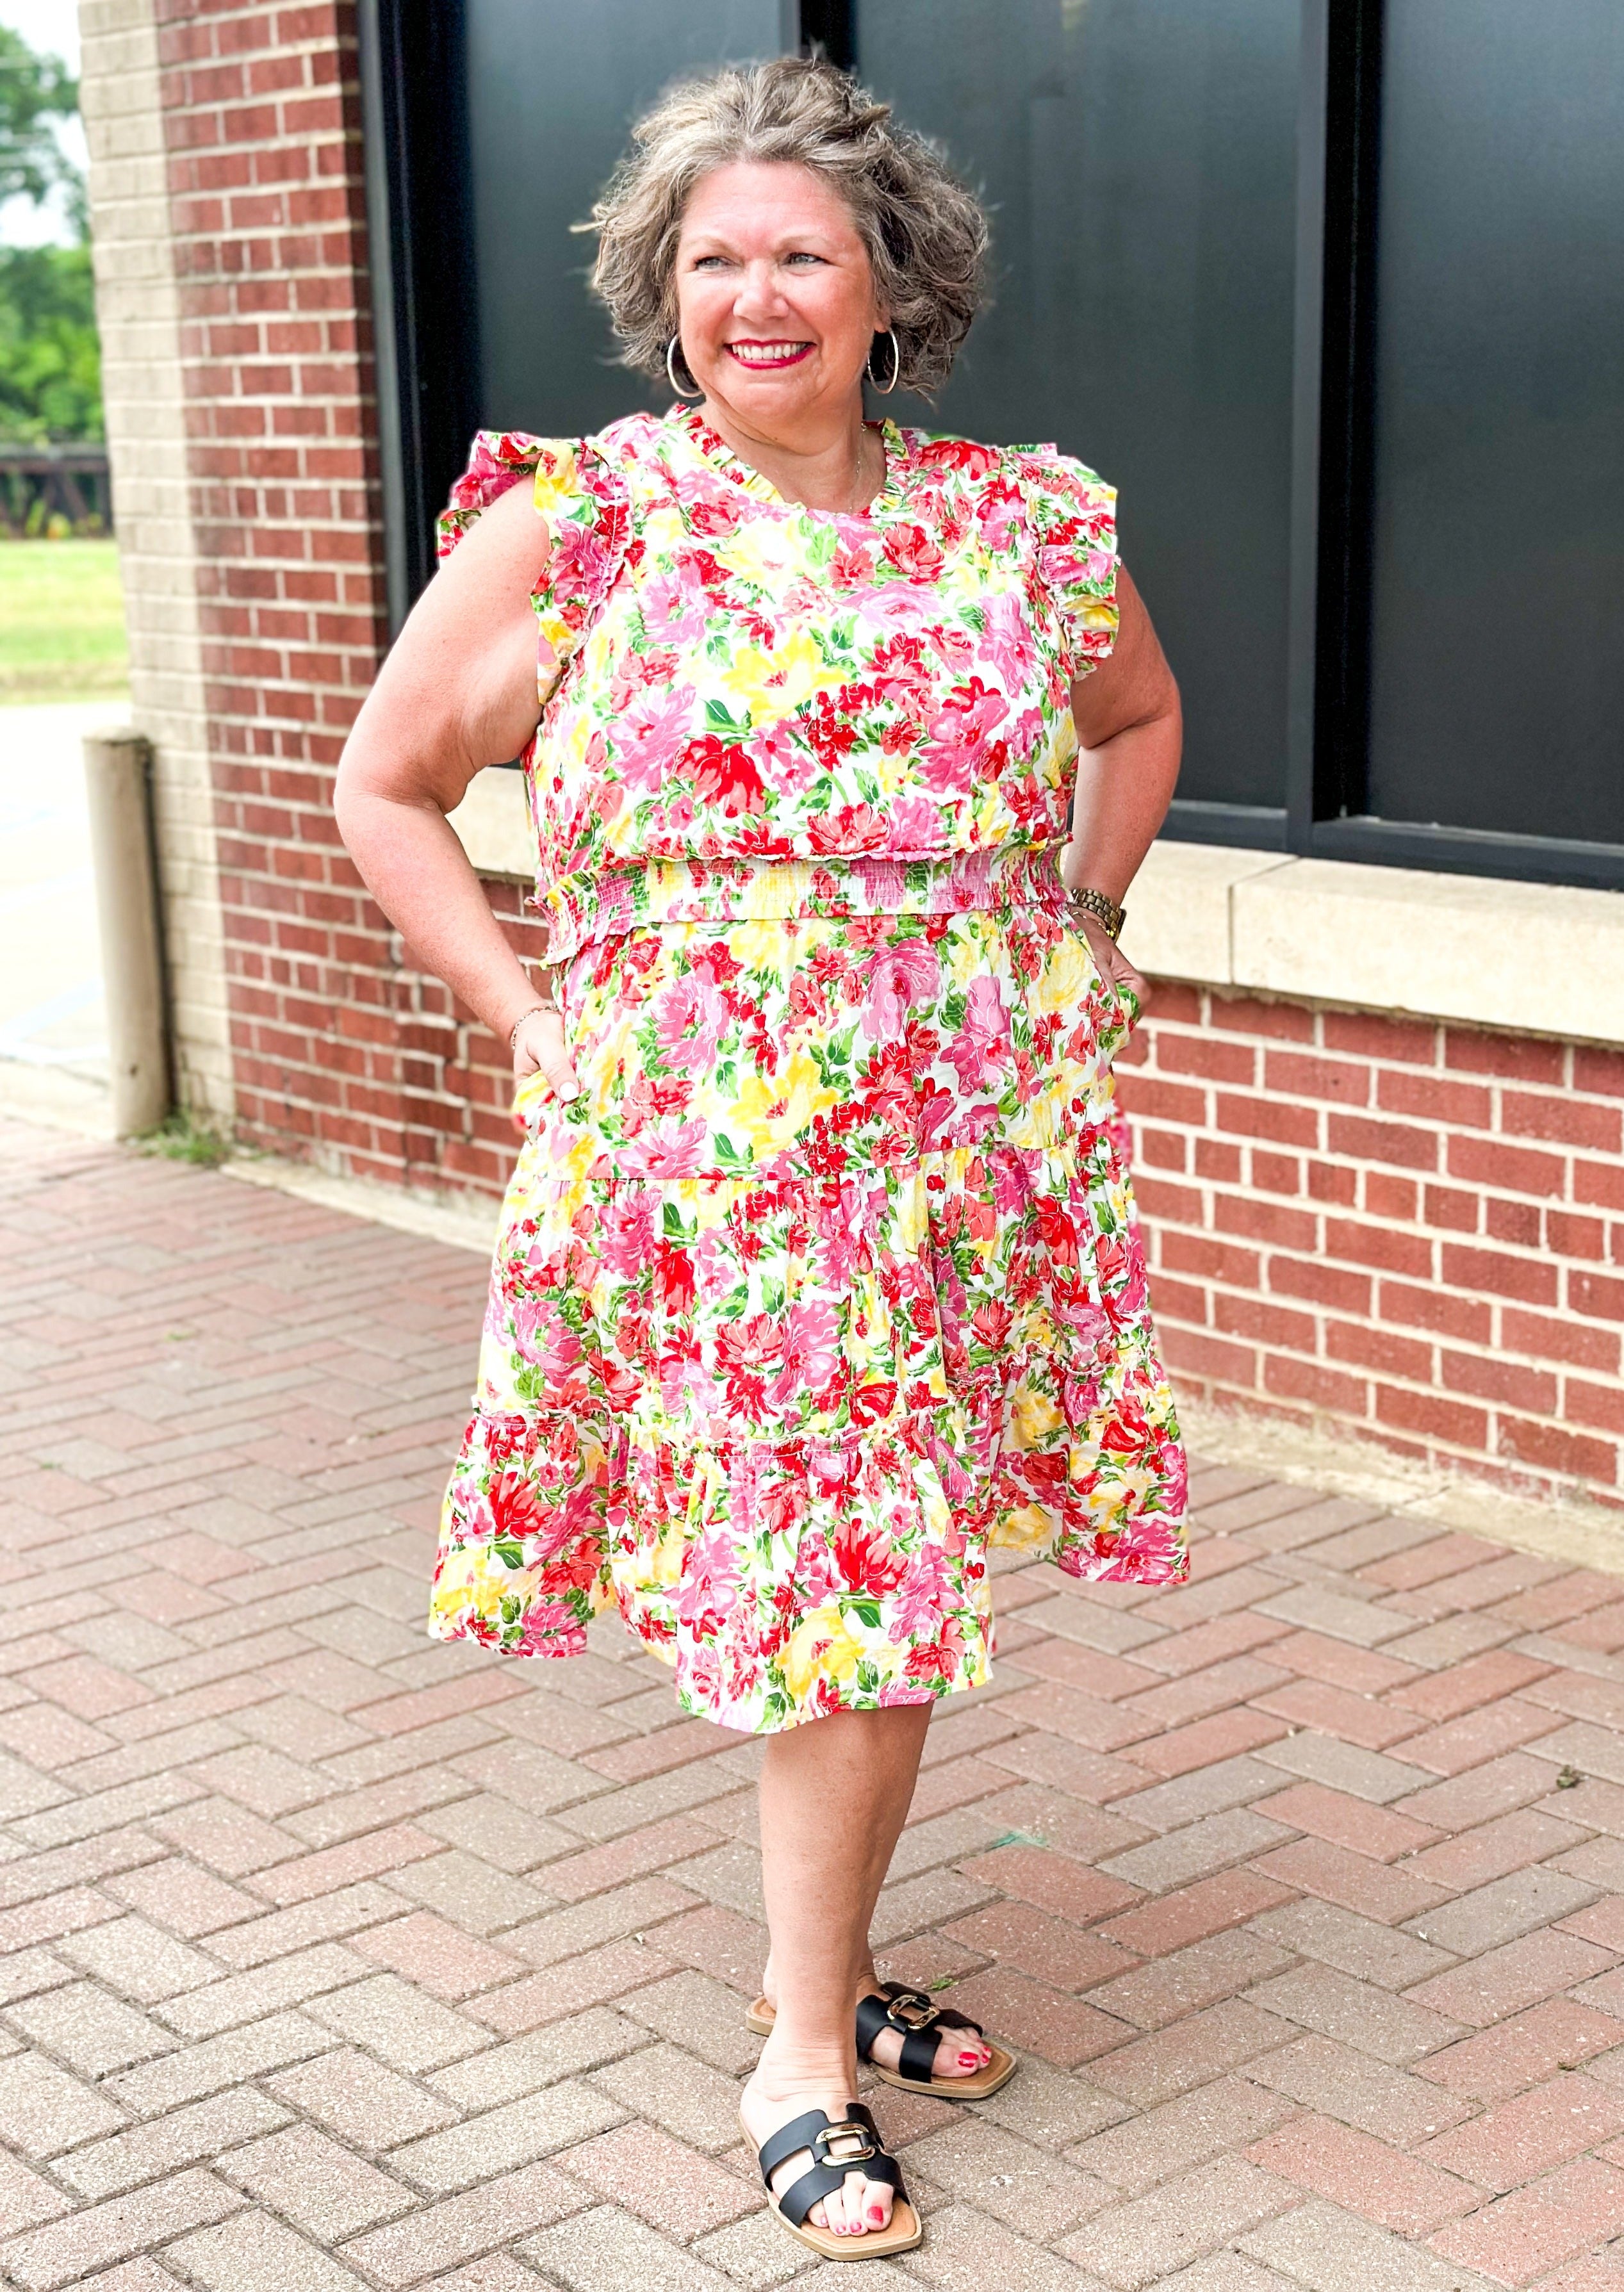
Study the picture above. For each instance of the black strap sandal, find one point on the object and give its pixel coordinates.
(837, 2146)
(920, 2021)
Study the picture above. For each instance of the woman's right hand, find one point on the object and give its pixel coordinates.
(539, 1048)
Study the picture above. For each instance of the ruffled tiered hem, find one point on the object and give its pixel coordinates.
(786, 1579)
(828, 1284)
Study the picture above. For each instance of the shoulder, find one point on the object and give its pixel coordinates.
(1059, 486)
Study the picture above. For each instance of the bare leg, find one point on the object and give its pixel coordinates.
(834, 1796)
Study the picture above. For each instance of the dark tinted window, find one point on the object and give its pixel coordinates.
(1141, 158)
(1497, 672)
(552, 91)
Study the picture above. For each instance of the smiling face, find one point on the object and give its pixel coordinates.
(775, 297)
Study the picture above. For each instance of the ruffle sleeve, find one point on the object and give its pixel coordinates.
(1071, 516)
(585, 503)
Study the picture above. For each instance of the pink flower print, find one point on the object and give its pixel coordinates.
(811, 1338)
(1144, 1551)
(916, 825)
(786, 765)
(982, 1045)
(961, 736)
(673, 613)
(653, 733)
(709, 1587)
(550, 1626)
(627, 1233)
(544, 1340)
(669, 1149)
(1012, 1183)
(688, 1392)
(898, 977)
(924, 1591)
(837, 1226)
(1006, 641)
(689, 1018)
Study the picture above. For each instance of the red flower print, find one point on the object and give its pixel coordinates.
(712, 518)
(912, 552)
(746, 1352)
(513, 1509)
(866, 1559)
(961, 454)
(673, 1273)
(990, 1325)
(873, 1402)
(723, 775)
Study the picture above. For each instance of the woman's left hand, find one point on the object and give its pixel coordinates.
(1114, 967)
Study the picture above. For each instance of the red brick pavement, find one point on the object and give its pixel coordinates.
(331, 1957)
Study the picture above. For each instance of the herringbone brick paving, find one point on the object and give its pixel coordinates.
(331, 1958)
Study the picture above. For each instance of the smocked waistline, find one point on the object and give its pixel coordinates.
(595, 903)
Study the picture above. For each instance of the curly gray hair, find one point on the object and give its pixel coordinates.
(927, 234)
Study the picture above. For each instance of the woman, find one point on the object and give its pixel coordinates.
(818, 1276)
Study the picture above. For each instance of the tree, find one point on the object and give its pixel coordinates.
(34, 91)
(50, 357)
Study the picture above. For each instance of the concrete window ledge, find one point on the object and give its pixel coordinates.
(1525, 958)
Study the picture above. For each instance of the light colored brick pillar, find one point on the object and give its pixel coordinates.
(137, 309)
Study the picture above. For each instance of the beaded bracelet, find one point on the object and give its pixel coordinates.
(512, 1040)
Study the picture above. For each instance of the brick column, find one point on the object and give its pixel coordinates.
(138, 305)
(340, 1050)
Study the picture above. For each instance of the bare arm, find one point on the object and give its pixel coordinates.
(1131, 731)
(457, 693)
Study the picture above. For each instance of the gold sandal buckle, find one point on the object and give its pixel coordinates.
(911, 2009)
(845, 2143)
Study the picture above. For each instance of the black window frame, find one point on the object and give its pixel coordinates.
(414, 116)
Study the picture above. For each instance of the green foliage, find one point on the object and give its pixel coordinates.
(35, 90)
(50, 359)
(182, 1138)
(50, 354)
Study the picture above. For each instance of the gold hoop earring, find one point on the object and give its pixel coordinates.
(884, 389)
(672, 347)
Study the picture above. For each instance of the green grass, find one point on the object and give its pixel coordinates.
(61, 620)
(180, 1137)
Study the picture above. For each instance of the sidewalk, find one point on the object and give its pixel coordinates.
(334, 1959)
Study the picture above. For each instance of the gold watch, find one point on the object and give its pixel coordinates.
(1110, 913)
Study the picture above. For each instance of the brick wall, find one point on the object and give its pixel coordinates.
(1411, 1232)
(1408, 1232)
(341, 1050)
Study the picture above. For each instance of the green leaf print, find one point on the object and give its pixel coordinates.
(953, 1005)
(772, 1296)
(720, 719)
(511, 1554)
(866, 1612)
(730, 1157)
(675, 1229)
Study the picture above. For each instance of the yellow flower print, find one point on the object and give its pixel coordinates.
(774, 1110)
(821, 1647)
(774, 684)
(1068, 973)
(762, 947)
(1033, 1417)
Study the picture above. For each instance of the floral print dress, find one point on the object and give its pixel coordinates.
(829, 1281)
